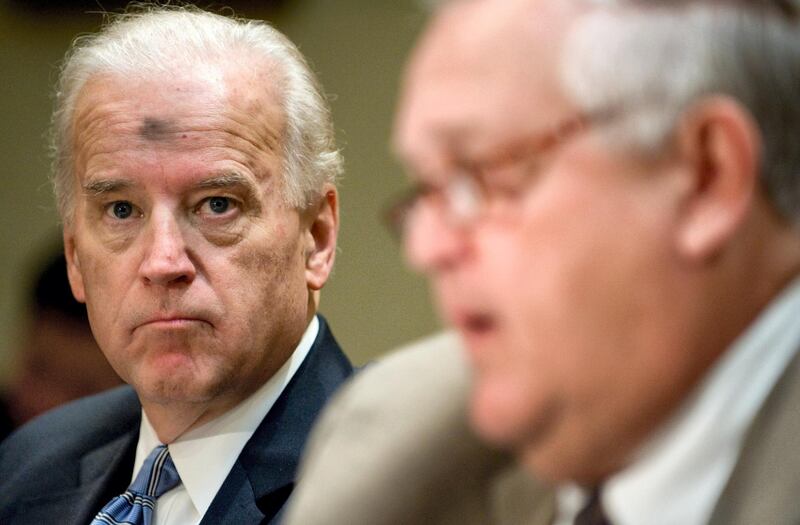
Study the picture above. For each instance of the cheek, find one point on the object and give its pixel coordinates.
(582, 260)
(267, 264)
(531, 282)
(104, 285)
(552, 283)
(268, 275)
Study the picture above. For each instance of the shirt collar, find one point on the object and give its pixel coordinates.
(205, 455)
(679, 474)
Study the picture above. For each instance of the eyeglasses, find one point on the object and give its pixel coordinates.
(475, 186)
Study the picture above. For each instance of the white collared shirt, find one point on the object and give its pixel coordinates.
(679, 474)
(205, 455)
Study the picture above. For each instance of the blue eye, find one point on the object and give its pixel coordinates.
(122, 209)
(219, 205)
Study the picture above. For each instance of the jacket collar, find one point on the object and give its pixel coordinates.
(264, 474)
(103, 472)
(764, 485)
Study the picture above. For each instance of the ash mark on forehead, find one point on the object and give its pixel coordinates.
(154, 129)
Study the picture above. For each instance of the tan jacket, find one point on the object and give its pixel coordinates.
(394, 448)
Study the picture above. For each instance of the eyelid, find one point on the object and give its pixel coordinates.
(234, 202)
(232, 185)
(505, 179)
(108, 208)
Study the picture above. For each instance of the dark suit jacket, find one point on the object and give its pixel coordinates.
(63, 467)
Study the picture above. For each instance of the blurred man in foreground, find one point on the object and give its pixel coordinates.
(606, 203)
(194, 172)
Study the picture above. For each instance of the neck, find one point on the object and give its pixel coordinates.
(176, 419)
(768, 261)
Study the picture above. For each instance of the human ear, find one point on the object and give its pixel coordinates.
(720, 146)
(320, 248)
(73, 266)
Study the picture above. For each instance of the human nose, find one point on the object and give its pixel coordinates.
(432, 242)
(166, 260)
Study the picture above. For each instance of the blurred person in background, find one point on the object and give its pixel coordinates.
(58, 360)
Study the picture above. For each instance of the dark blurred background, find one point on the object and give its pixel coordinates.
(356, 46)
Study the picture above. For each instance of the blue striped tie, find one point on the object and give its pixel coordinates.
(135, 506)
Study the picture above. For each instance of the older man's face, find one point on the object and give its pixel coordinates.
(192, 267)
(558, 288)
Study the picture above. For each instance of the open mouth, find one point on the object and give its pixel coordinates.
(475, 325)
(478, 324)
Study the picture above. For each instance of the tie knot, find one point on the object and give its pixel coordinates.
(157, 475)
(136, 505)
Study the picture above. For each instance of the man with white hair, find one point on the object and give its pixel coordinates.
(195, 173)
(607, 204)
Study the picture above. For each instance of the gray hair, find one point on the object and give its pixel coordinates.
(651, 60)
(156, 39)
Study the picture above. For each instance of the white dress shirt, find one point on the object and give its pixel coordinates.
(205, 455)
(679, 474)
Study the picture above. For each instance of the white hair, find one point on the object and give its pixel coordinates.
(154, 39)
(651, 60)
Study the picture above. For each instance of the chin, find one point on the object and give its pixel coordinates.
(492, 415)
(512, 418)
(543, 467)
(175, 388)
(555, 466)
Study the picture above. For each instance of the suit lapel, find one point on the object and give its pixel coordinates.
(104, 473)
(263, 476)
(235, 502)
(765, 483)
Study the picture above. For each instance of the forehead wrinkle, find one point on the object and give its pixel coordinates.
(247, 128)
(92, 124)
(258, 140)
(255, 101)
(263, 128)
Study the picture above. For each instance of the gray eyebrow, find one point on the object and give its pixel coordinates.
(233, 179)
(102, 186)
(225, 180)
